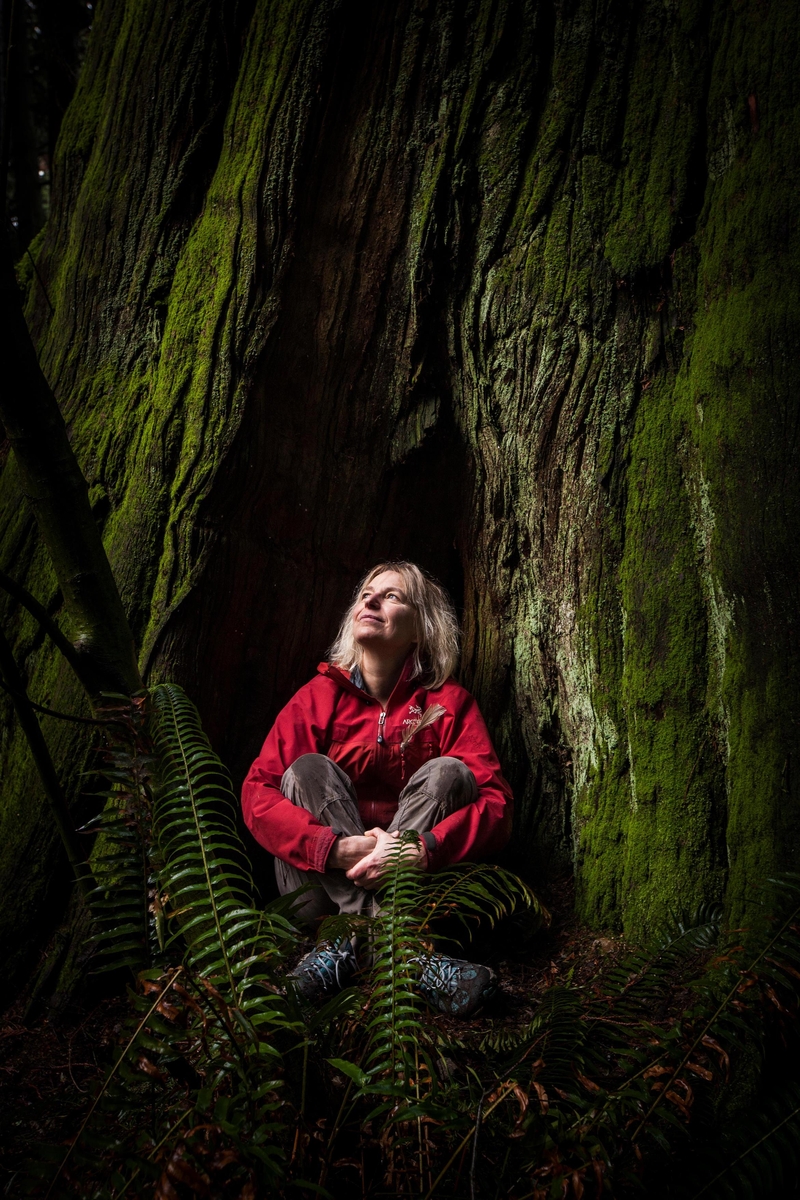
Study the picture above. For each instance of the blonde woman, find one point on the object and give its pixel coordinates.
(382, 740)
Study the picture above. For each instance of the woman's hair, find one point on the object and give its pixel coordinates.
(436, 648)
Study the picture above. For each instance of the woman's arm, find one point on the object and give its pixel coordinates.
(286, 830)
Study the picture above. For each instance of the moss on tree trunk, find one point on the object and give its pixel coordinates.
(507, 287)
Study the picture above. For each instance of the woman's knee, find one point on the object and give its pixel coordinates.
(447, 775)
(314, 782)
(308, 770)
(451, 768)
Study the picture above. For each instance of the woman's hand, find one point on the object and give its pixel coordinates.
(370, 870)
(347, 851)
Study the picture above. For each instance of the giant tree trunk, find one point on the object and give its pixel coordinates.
(507, 287)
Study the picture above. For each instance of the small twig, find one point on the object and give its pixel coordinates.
(465, 1141)
(419, 1122)
(323, 1175)
(474, 1161)
(154, 1152)
(41, 281)
(52, 712)
(54, 1067)
(30, 256)
(69, 1068)
(745, 1153)
(302, 1113)
(110, 1076)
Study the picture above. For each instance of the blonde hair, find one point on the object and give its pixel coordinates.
(436, 647)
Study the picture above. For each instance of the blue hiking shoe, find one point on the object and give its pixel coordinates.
(454, 985)
(325, 971)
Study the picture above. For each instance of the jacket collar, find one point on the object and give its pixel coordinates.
(342, 678)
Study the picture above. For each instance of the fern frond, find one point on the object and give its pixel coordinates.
(474, 892)
(645, 976)
(205, 874)
(394, 1025)
(557, 1033)
(127, 929)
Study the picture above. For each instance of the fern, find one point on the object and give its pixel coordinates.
(205, 873)
(128, 930)
(213, 1048)
(411, 902)
(646, 975)
(394, 1024)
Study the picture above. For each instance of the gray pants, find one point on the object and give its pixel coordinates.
(314, 782)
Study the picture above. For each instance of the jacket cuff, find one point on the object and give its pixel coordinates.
(431, 845)
(323, 845)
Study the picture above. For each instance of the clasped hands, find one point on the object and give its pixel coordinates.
(364, 857)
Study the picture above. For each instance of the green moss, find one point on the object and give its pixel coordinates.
(692, 794)
(673, 851)
(739, 393)
(664, 119)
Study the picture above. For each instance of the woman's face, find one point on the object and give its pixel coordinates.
(383, 619)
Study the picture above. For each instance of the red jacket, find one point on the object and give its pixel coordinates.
(331, 716)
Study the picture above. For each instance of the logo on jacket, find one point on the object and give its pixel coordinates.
(414, 715)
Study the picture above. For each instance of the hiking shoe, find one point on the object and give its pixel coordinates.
(325, 971)
(455, 986)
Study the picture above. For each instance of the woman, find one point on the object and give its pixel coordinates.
(382, 740)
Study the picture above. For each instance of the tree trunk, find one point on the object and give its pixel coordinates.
(509, 288)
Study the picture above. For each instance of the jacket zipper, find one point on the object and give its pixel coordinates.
(381, 723)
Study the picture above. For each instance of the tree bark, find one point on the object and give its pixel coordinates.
(509, 288)
(104, 657)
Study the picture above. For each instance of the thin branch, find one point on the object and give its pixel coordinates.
(474, 1163)
(154, 1152)
(40, 614)
(52, 712)
(745, 1153)
(44, 765)
(466, 1140)
(40, 280)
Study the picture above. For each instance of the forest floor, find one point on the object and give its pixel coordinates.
(50, 1063)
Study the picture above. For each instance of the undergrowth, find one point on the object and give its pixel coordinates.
(669, 1074)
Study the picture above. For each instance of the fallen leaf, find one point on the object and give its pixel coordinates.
(655, 1070)
(679, 1103)
(714, 1045)
(149, 1068)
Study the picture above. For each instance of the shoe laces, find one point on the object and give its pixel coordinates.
(440, 972)
(332, 964)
